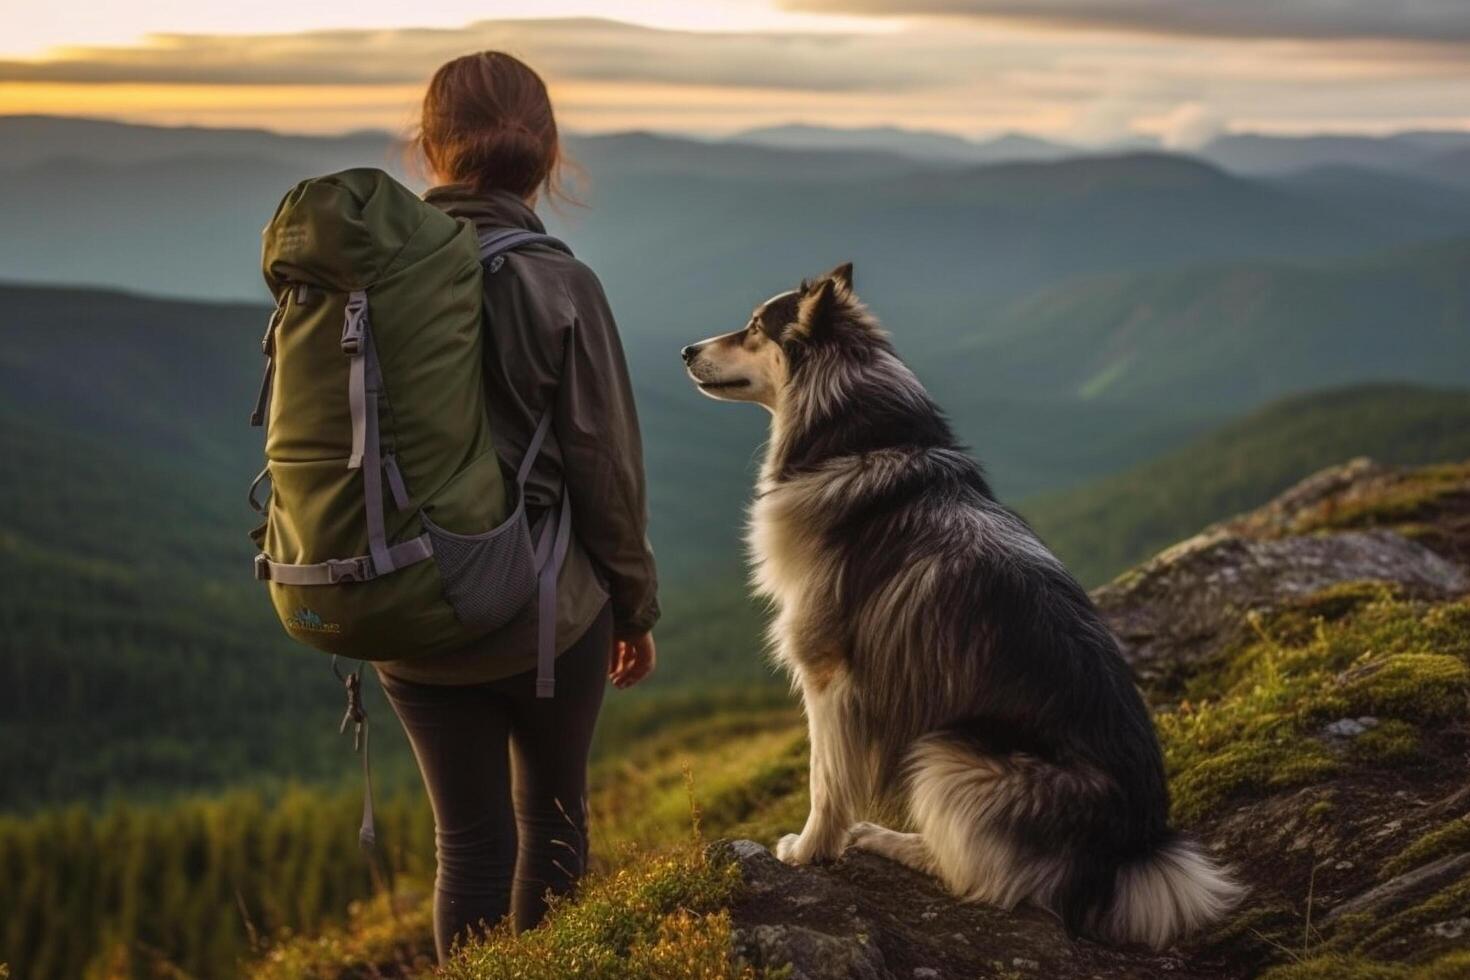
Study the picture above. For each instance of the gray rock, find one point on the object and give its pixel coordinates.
(871, 919)
(762, 870)
(1344, 728)
(749, 850)
(1450, 929)
(925, 973)
(1187, 602)
(810, 954)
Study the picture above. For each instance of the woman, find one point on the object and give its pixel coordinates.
(506, 773)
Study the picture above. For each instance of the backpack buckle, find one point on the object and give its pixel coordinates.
(262, 568)
(354, 324)
(349, 570)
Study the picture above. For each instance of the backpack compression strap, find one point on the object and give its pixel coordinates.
(364, 386)
(556, 531)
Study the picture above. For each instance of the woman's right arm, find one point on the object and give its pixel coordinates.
(602, 460)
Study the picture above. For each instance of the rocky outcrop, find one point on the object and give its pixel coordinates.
(1187, 602)
(866, 919)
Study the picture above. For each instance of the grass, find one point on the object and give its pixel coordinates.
(662, 917)
(384, 934)
(739, 764)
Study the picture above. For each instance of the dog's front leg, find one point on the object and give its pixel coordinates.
(838, 775)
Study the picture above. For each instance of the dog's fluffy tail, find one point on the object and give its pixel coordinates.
(1174, 891)
(1008, 828)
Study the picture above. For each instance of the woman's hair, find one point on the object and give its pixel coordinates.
(487, 122)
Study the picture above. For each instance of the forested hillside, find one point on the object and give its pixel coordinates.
(1231, 335)
(1103, 527)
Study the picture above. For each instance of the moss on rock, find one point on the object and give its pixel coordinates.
(1451, 838)
(1253, 721)
(1392, 742)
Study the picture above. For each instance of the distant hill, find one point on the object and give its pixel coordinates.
(1407, 152)
(689, 233)
(30, 140)
(1232, 335)
(1104, 527)
(919, 144)
(1451, 168)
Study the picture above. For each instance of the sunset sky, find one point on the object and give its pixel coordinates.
(1084, 70)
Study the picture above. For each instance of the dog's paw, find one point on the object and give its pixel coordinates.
(789, 849)
(861, 834)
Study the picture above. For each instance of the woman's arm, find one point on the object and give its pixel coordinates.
(602, 459)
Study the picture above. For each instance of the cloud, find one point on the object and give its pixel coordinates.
(572, 49)
(1412, 20)
(969, 76)
(1189, 126)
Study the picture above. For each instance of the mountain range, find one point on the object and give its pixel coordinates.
(1099, 327)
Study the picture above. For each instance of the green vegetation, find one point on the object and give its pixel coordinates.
(190, 884)
(1402, 504)
(1451, 838)
(378, 934)
(1252, 723)
(1452, 966)
(661, 918)
(198, 884)
(1104, 527)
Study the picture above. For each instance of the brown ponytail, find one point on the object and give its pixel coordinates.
(487, 122)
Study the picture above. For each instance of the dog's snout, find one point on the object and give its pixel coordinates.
(689, 353)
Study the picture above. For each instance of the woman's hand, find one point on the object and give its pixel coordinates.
(631, 660)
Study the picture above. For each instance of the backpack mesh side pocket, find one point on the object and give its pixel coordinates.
(488, 578)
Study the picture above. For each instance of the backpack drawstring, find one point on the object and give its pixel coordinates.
(356, 716)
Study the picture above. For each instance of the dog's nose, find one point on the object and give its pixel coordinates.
(689, 352)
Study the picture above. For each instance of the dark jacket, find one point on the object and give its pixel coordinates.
(541, 301)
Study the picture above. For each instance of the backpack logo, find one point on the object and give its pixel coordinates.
(309, 622)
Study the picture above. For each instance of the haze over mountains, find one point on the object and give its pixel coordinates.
(1078, 314)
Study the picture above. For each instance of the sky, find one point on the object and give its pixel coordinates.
(1088, 71)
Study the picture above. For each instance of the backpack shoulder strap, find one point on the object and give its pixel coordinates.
(550, 549)
(495, 242)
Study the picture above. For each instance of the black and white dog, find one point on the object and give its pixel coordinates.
(944, 656)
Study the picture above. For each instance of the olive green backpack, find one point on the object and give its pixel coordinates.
(391, 530)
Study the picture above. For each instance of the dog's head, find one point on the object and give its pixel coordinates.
(756, 362)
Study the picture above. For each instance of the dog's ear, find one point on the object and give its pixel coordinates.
(817, 307)
(842, 275)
